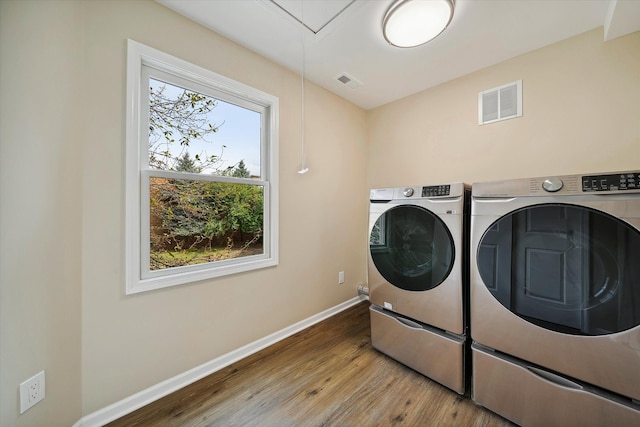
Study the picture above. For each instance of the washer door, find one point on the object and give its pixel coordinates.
(564, 267)
(411, 248)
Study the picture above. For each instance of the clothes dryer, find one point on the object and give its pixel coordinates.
(555, 299)
(417, 276)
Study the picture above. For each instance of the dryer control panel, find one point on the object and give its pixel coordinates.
(611, 182)
(385, 195)
(617, 182)
(436, 190)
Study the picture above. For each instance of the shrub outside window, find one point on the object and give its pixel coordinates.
(201, 172)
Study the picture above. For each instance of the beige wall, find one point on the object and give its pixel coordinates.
(63, 307)
(40, 208)
(133, 342)
(581, 114)
(97, 345)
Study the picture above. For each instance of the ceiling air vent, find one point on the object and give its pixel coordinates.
(500, 103)
(349, 81)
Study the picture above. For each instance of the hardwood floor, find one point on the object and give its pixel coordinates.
(326, 375)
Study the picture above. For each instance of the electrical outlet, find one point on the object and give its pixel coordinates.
(340, 277)
(31, 391)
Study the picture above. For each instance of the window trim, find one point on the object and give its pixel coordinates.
(137, 280)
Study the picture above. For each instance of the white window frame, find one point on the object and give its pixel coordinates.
(142, 62)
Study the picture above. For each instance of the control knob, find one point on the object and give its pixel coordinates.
(408, 192)
(552, 185)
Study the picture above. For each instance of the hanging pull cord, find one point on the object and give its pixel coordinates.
(303, 169)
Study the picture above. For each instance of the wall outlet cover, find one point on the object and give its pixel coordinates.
(31, 391)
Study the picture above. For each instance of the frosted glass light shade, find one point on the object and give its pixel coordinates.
(410, 23)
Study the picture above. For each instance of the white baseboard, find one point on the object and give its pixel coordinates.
(153, 393)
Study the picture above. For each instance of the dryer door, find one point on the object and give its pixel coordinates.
(411, 248)
(563, 267)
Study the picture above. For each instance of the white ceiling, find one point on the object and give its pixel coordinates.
(344, 36)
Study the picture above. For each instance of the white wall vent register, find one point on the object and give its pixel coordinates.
(500, 103)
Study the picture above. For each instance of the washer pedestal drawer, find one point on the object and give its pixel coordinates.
(530, 396)
(429, 351)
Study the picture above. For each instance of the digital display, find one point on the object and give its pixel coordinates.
(436, 190)
(611, 182)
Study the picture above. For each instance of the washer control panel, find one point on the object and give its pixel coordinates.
(448, 191)
(611, 182)
(436, 190)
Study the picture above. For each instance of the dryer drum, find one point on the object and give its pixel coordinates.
(411, 248)
(564, 267)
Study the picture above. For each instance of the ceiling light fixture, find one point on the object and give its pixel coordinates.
(410, 23)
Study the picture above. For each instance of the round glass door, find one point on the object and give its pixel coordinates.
(411, 248)
(567, 268)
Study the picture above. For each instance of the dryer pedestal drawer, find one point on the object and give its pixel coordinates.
(530, 396)
(430, 352)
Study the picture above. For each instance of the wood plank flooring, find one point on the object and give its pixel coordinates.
(326, 375)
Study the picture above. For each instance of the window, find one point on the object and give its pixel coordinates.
(201, 173)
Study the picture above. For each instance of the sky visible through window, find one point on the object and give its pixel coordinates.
(238, 136)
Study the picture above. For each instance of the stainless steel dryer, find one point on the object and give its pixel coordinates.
(555, 299)
(417, 278)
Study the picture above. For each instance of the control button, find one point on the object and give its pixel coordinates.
(408, 192)
(552, 185)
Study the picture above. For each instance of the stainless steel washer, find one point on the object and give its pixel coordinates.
(417, 278)
(555, 299)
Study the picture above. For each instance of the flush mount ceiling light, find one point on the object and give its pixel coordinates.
(410, 23)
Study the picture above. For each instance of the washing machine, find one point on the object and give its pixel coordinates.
(417, 276)
(555, 299)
